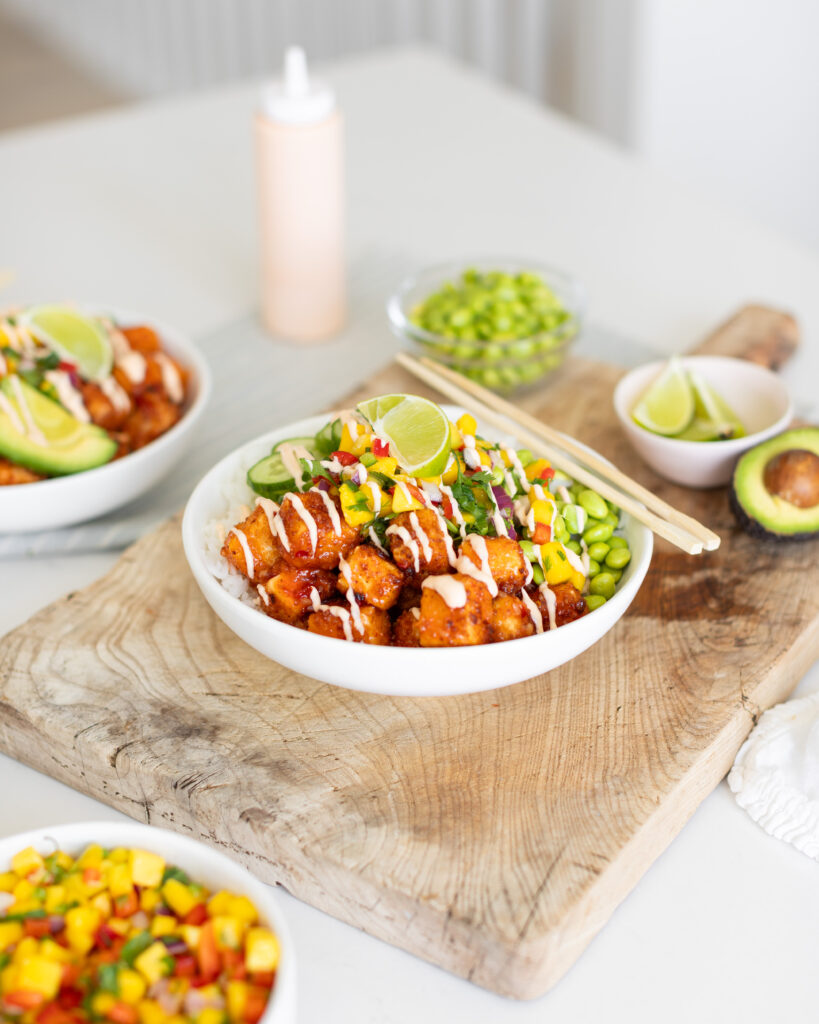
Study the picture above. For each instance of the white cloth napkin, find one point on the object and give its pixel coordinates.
(776, 773)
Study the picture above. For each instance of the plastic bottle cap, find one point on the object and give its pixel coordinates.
(295, 98)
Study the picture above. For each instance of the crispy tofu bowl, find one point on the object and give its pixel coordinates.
(83, 434)
(403, 586)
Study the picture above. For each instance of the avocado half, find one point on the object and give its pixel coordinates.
(775, 489)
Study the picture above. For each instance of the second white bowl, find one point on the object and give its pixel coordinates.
(756, 395)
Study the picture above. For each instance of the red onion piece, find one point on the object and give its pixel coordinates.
(507, 510)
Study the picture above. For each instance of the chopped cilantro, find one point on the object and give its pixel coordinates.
(561, 554)
(107, 978)
(177, 873)
(382, 479)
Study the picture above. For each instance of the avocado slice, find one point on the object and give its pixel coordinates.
(51, 440)
(775, 488)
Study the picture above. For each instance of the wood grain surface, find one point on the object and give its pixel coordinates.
(491, 834)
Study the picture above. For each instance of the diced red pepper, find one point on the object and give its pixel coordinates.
(449, 511)
(123, 1013)
(24, 999)
(198, 915)
(105, 936)
(234, 962)
(263, 978)
(185, 966)
(208, 954)
(70, 997)
(90, 875)
(66, 366)
(255, 1004)
(199, 980)
(542, 534)
(125, 906)
(346, 458)
(53, 1013)
(38, 927)
(71, 973)
(381, 449)
(547, 474)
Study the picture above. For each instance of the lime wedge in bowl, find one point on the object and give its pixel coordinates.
(667, 407)
(417, 430)
(712, 413)
(75, 338)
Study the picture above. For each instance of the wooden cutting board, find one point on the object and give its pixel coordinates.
(491, 834)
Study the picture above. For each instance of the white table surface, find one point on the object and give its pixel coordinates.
(151, 208)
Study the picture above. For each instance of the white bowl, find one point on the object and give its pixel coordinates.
(212, 869)
(64, 500)
(398, 671)
(756, 395)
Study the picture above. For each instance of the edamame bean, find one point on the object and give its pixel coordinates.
(618, 558)
(574, 517)
(612, 519)
(594, 568)
(603, 583)
(617, 574)
(528, 548)
(574, 545)
(599, 551)
(613, 508)
(594, 601)
(526, 457)
(559, 531)
(593, 504)
(599, 531)
(537, 575)
(618, 542)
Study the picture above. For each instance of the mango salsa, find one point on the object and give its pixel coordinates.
(121, 936)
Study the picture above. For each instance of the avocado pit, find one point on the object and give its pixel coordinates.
(793, 475)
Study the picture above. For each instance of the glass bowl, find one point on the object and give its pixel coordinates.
(506, 364)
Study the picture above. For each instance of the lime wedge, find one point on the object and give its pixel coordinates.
(75, 338)
(417, 429)
(711, 407)
(667, 407)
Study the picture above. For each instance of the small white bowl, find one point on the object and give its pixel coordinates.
(211, 868)
(65, 500)
(397, 671)
(756, 395)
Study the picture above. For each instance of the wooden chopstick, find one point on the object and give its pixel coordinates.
(710, 540)
(455, 387)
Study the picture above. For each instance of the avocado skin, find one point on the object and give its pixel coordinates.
(805, 437)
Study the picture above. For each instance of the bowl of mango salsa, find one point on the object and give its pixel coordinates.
(129, 924)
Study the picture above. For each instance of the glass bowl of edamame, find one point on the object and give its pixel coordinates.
(506, 324)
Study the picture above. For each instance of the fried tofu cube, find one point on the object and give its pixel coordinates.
(290, 591)
(418, 544)
(372, 576)
(569, 604)
(452, 624)
(375, 624)
(153, 415)
(405, 631)
(504, 557)
(265, 555)
(510, 618)
(334, 537)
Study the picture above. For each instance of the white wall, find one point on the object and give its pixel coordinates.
(727, 99)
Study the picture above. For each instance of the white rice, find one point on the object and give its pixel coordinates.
(238, 504)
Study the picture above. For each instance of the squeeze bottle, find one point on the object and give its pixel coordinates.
(300, 153)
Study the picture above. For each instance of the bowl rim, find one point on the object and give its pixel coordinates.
(192, 358)
(371, 652)
(403, 327)
(725, 445)
(159, 839)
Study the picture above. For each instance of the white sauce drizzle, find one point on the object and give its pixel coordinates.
(11, 412)
(471, 458)
(132, 364)
(574, 560)
(306, 518)
(263, 594)
(460, 522)
(340, 613)
(3, 365)
(409, 540)
(332, 465)
(31, 429)
(426, 547)
(530, 575)
(115, 394)
(497, 519)
(402, 486)
(375, 491)
(270, 508)
(250, 564)
(517, 465)
(374, 538)
(416, 613)
(551, 603)
(171, 378)
(534, 611)
(68, 395)
(290, 455)
(281, 532)
(347, 573)
(482, 574)
(332, 511)
(452, 591)
(564, 494)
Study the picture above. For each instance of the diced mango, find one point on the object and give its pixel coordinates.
(24, 890)
(163, 924)
(37, 974)
(149, 900)
(102, 903)
(8, 880)
(466, 424)
(348, 437)
(55, 897)
(26, 947)
(190, 933)
(150, 1012)
(52, 951)
(543, 511)
(262, 950)
(91, 857)
(85, 918)
(577, 579)
(536, 469)
(242, 907)
(63, 860)
(350, 500)
(236, 999)
(403, 500)
(146, 868)
(556, 567)
(152, 963)
(120, 925)
(178, 897)
(455, 437)
(120, 881)
(450, 474)
(219, 902)
(26, 861)
(102, 1002)
(210, 1015)
(386, 465)
(228, 932)
(10, 932)
(131, 985)
(119, 855)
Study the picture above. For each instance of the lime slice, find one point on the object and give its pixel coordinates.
(667, 407)
(417, 429)
(75, 338)
(711, 407)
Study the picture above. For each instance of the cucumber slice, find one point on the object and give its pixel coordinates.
(270, 477)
